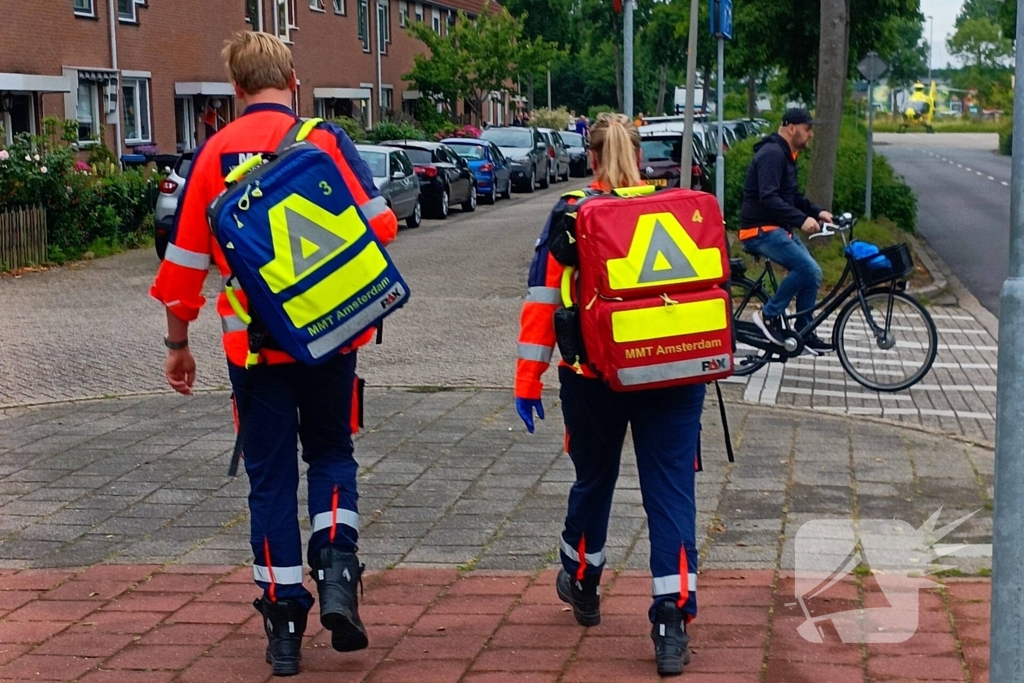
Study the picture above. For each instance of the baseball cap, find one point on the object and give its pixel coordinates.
(797, 116)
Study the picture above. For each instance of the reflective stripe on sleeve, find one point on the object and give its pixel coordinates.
(282, 575)
(545, 295)
(669, 585)
(593, 559)
(186, 258)
(322, 520)
(536, 352)
(232, 323)
(374, 207)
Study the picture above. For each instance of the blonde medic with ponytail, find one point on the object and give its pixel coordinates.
(665, 426)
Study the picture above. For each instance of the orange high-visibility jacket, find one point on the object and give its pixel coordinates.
(179, 282)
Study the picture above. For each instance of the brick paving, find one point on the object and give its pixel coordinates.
(195, 623)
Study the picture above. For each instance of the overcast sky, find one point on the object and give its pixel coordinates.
(944, 12)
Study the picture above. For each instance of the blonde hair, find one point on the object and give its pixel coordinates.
(258, 61)
(616, 141)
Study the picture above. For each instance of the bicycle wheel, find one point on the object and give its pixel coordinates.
(745, 301)
(902, 357)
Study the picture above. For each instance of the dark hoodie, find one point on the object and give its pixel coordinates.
(771, 195)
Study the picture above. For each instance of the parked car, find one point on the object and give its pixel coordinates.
(445, 177)
(491, 168)
(526, 150)
(729, 135)
(661, 161)
(396, 180)
(579, 161)
(167, 202)
(558, 155)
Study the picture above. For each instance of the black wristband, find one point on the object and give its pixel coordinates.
(175, 346)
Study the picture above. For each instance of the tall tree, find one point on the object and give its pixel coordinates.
(833, 67)
(980, 43)
(979, 9)
(908, 56)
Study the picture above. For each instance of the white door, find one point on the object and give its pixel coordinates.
(185, 123)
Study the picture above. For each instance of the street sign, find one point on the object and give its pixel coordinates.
(872, 67)
(721, 19)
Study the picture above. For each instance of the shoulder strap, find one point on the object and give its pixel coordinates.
(297, 133)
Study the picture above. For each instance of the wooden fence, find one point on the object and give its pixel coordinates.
(22, 237)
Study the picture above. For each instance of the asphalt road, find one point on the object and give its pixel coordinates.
(963, 202)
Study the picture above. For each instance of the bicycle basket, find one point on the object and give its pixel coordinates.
(900, 265)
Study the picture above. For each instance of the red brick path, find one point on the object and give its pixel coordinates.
(147, 624)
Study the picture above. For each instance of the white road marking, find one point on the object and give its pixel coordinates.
(1005, 184)
(969, 168)
(991, 178)
(961, 166)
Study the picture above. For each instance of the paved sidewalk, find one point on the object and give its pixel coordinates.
(195, 624)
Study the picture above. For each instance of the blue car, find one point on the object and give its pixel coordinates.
(492, 170)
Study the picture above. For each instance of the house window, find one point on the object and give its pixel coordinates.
(364, 24)
(285, 19)
(387, 99)
(316, 5)
(419, 13)
(339, 6)
(435, 21)
(254, 14)
(84, 8)
(383, 27)
(88, 111)
(126, 10)
(136, 110)
(403, 13)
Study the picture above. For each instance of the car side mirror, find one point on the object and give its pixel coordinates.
(541, 145)
(398, 175)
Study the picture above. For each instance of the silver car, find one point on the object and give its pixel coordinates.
(396, 180)
(558, 155)
(167, 203)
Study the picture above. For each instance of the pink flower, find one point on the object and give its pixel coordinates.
(42, 169)
(4, 155)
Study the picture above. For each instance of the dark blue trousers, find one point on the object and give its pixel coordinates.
(666, 426)
(279, 405)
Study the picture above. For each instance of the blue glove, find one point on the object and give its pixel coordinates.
(525, 408)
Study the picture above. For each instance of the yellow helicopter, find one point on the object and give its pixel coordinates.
(920, 108)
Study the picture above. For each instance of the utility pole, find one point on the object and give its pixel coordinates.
(872, 67)
(721, 28)
(549, 88)
(1006, 654)
(931, 40)
(627, 58)
(686, 163)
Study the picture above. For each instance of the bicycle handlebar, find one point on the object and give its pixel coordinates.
(844, 224)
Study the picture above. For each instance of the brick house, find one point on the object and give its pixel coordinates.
(152, 73)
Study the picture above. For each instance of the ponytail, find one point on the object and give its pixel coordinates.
(616, 141)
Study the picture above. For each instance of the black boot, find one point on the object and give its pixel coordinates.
(337, 573)
(671, 642)
(584, 596)
(285, 622)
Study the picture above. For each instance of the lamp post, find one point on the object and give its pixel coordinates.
(931, 40)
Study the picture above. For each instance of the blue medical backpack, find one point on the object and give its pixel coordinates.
(298, 245)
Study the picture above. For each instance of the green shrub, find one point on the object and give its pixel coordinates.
(101, 155)
(557, 119)
(354, 129)
(390, 130)
(1006, 138)
(599, 109)
(890, 196)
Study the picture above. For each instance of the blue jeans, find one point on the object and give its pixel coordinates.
(666, 430)
(804, 278)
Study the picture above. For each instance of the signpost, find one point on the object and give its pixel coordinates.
(871, 67)
(721, 28)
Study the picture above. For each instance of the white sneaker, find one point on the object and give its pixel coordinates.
(769, 328)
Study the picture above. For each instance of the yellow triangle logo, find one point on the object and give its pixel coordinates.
(661, 263)
(308, 248)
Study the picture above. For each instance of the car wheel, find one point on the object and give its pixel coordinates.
(416, 217)
(507, 194)
(532, 185)
(547, 179)
(161, 246)
(442, 205)
(492, 196)
(469, 206)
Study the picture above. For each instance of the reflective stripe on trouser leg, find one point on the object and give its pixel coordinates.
(325, 416)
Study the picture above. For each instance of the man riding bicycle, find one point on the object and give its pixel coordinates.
(773, 208)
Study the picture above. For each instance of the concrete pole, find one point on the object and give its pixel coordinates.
(871, 148)
(380, 47)
(112, 10)
(686, 163)
(1006, 655)
(720, 159)
(627, 58)
(549, 88)
(931, 38)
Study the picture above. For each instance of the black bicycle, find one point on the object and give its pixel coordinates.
(884, 337)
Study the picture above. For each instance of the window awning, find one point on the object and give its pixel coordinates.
(97, 76)
(342, 93)
(209, 88)
(411, 95)
(34, 83)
